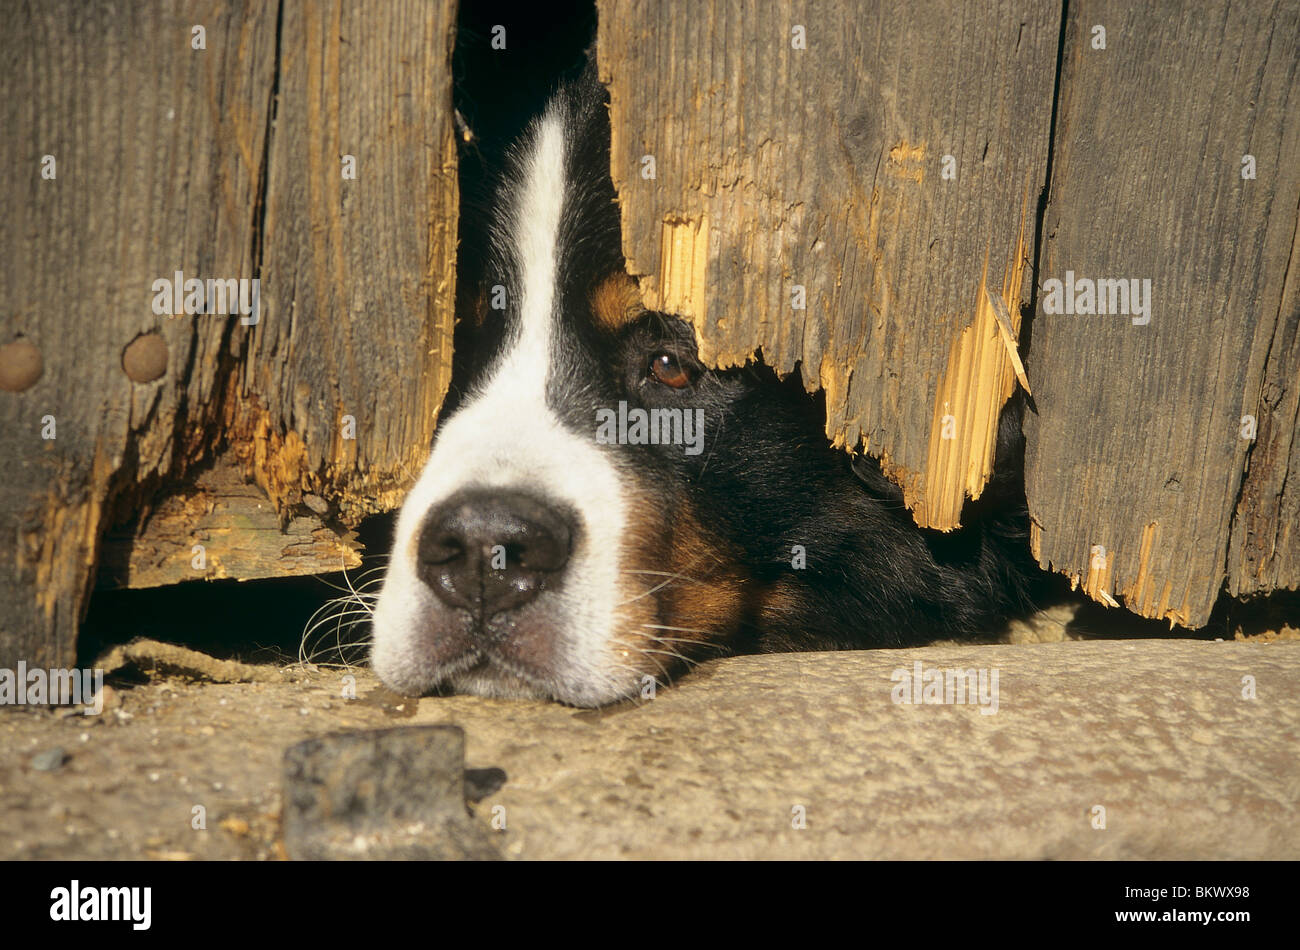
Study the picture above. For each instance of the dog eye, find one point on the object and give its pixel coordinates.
(665, 368)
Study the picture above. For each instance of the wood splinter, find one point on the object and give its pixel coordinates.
(1008, 336)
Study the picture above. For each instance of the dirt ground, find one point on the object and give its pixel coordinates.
(182, 765)
(134, 776)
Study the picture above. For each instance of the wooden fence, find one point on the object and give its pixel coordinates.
(857, 190)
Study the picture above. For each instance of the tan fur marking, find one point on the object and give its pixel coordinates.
(615, 301)
(687, 607)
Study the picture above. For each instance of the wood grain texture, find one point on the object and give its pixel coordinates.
(166, 162)
(358, 275)
(115, 93)
(1137, 447)
(1264, 547)
(823, 168)
(239, 530)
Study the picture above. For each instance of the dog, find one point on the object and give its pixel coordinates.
(600, 511)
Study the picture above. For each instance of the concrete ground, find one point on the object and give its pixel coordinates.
(1130, 749)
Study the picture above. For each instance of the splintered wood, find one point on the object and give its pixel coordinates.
(307, 146)
(979, 377)
(238, 530)
(837, 187)
(873, 181)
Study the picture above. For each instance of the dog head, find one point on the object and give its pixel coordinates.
(600, 509)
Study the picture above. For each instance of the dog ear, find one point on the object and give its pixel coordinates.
(615, 301)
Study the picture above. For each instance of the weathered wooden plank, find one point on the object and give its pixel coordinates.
(887, 159)
(358, 272)
(1264, 548)
(155, 154)
(216, 154)
(223, 527)
(1135, 459)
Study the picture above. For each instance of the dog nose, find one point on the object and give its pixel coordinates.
(490, 552)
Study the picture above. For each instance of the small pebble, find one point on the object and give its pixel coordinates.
(49, 760)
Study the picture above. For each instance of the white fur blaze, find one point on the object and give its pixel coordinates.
(505, 436)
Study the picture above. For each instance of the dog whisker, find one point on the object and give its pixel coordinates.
(695, 645)
(665, 574)
(673, 653)
(658, 587)
(660, 626)
(641, 651)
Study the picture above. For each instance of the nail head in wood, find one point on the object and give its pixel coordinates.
(145, 358)
(20, 366)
